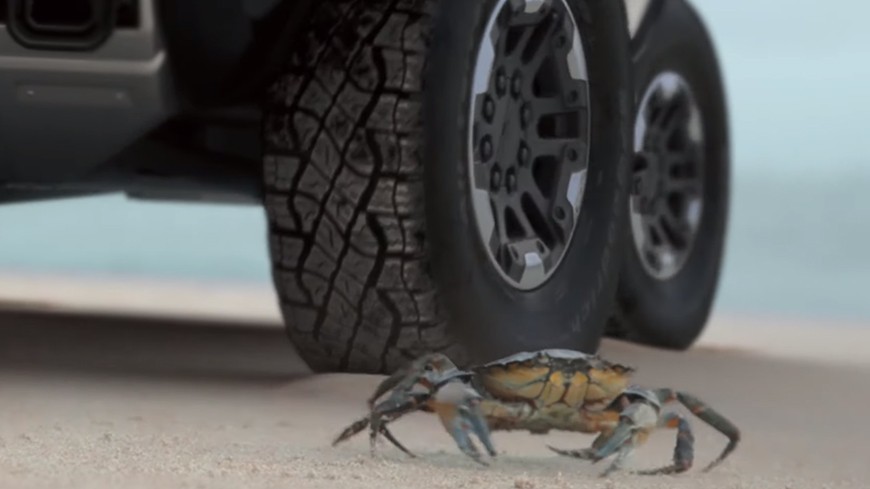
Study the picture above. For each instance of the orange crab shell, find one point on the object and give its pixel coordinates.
(548, 377)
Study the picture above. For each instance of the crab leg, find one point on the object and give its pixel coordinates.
(386, 385)
(635, 424)
(364, 423)
(393, 408)
(354, 428)
(455, 404)
(708, 415)
(428, 371)
(636, 421)
(392, 439)
(684, 450)
(604, 423)
(622, 442)
(584, 453)
(620, 460)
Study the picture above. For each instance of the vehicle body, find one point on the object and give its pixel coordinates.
(129, 112)
(164, 99)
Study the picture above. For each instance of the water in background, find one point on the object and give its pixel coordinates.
(800, 224)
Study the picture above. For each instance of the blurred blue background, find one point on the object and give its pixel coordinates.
(797, 77)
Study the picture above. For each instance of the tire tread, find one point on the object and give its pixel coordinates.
(343, 182)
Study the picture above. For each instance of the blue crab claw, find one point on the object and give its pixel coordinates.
(621, 437)
(458, 407)
(451, 375)
(426, 373)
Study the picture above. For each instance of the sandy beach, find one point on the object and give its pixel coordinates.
(102, 400)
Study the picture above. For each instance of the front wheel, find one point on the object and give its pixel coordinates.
(445, 175)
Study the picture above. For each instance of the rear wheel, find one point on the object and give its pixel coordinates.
(679, 199)
(433, 179)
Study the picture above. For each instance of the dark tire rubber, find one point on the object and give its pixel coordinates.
(673, 313)
(370, 233)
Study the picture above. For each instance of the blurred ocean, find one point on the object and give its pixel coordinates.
(799, 237)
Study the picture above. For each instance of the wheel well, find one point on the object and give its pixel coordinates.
(226, 52)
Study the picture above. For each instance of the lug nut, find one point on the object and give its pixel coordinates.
(559, 213)
(495, 179)
(525, 115)
(488, 108)
(486, 148)
(500, 82)
(524, 155)
(572, 154)
(511, 181)
(516, 85)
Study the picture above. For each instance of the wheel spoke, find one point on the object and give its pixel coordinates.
(548, 147)
(533, 66)
(677, 158)
(523, 219)
(676, 230)
(533, 192)
(527, 19)
(547, 106)
(499, 208)
(677, 115)
(516, 45)
(653, 112)
(684, 186)
(653, 246)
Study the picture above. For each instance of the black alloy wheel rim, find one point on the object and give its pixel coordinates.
(529, 138)
(667, 195)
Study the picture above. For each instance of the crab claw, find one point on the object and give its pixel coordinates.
(621, 437)
(458, 407)
(426, 372)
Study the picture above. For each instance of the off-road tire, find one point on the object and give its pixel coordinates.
(672, 313)
(347, 196)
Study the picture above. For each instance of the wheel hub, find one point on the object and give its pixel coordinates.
(529, 138)
(667, 195)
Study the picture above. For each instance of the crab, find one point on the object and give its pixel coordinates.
(540, 391)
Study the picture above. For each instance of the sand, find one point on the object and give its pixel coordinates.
(95, 401)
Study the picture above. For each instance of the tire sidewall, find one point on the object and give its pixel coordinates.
(571, 308)
(673, 312)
